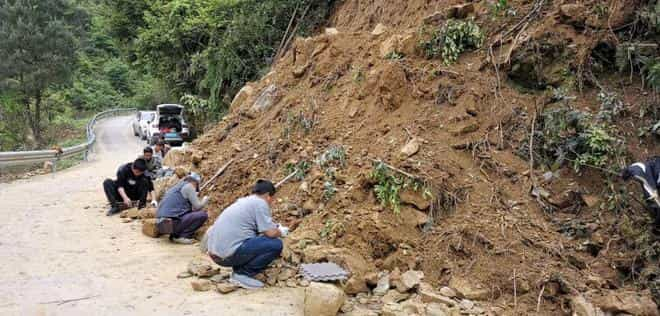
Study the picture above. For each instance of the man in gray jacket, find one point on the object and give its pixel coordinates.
(182, 211)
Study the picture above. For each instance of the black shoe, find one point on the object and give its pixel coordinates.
(112, 211)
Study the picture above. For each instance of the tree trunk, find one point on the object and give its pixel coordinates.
(36, 121)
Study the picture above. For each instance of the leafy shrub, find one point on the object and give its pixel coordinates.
(652, 69)
(389, 184)
(572, 135)
(452, 40)
(301, 168)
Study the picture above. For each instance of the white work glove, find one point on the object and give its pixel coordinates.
(154, 203)
(284, 231)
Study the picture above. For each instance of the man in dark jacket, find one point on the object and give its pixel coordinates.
(648, 175)
(181, 210)
(131, 185)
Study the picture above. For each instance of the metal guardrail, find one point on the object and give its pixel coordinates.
(17, 158)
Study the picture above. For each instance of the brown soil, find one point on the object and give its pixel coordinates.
(470, 132)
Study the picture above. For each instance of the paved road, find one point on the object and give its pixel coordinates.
(60, 255)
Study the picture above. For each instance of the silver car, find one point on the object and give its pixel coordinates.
(141, 123)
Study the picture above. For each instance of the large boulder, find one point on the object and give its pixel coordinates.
(582, 307)
(150, 228)
(323, 299)
(174, 158)
(268, 97)
(627, 302)
(469, 290)
(246, 92)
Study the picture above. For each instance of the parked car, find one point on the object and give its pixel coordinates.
(140, 123)
(168, 125)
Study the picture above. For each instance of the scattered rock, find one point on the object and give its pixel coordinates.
(436, 309)
(286, 274)
(347, 307)
(383, 285)
(300, 71)
(245, 92)
(591, 200)
(447, 291)
(201, 285)
(466, 305)
(409, 280)
(226, 288)
(147, 212)
(379, 29)
(266, 99)
(180, 172)
(304, 187)
(581, 307)
(413, 217)
(150, 228)
(371, 278)
(126, 220)
(48, 166)
(184, 275)
(574, 14)
(361, 311)
(435, 19)
(428, 295)
(197, 157)
(309, 206)
(394, 296)
(627, 302)
(466, 129)
(355, 285)
(202, 268)
(331, 31)
(323, 299)
(411, 148)
(469, 290)
(132, 213)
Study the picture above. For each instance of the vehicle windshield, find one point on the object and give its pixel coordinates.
(149, 116)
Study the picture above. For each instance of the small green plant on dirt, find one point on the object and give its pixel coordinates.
(600, 10)
(301, 168)
(501, 7)
(331, 229)
(571, 135)
(610, 106)
(329, 190)
(389, 185)
(652, 70)
(394, 55)
(452, 40)
(357, 74)
(335, 153)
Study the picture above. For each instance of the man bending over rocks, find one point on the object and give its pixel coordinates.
(131, 185)
(180, 212)
(245, 238)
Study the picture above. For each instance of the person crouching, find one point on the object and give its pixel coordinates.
(245, 238)
(180, 212)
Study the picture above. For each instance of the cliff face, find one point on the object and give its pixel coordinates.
(453, 196)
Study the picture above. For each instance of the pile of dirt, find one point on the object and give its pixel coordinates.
(341, 104)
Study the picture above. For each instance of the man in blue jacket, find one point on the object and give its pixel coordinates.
(180, 212)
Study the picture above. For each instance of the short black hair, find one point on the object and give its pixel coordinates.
(148, 150)
(140, 164)
(263, 187)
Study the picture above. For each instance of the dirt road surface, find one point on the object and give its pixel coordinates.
(60, 254)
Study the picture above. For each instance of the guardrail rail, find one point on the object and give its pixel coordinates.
(18, 158)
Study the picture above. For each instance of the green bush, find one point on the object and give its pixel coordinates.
(452, 40)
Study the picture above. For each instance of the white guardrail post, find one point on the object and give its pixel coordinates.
(18, 158)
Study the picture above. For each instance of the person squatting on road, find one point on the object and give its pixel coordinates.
(648, 175)
(245, 238)
(154, 163)
(180, 212)
(131, 185)
(160, 150)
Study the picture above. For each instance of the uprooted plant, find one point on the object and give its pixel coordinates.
(300, 168)
(389, 184)
(331, 160)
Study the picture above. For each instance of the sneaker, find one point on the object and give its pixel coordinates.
(183, 241)
(245, 281)
(112, 211)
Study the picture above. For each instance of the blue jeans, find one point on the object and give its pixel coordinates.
(253, 256)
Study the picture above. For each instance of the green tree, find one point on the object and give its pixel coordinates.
(38, 43)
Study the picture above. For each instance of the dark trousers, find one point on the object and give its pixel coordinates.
(188, 224)
(253, 256)
(137, 192)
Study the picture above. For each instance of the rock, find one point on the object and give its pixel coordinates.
(413, 217)
(408, 196)
(126, 220)
(149, 228)
(300, 71)
(226, 288)
(413, 307)
(447, 291)
(361, 311)
(304, 283)
(411, 148)
(223, 275)
(323, 299)
(466, 129)
(581, 307)
(147, 212)
(428, 295)
(436, 309)
(304, 187)
(309, 206)
(405, 44)
(184, 275)
(286, 274)
(356, 285)
(245, 92)
(466, 305)
(469, 290)
(201, 285)
(591, 200)
(331, 31)
(347, 307)
(409, 280)
(393, 309)
(48, 166)
(379, 29)
(371, 278)
(383, 285)
(627, 302)
(435, 19)
(393, 296)
(266, 99)
(460, 11)
(202, 268)
(130, 213)
(197, 157)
